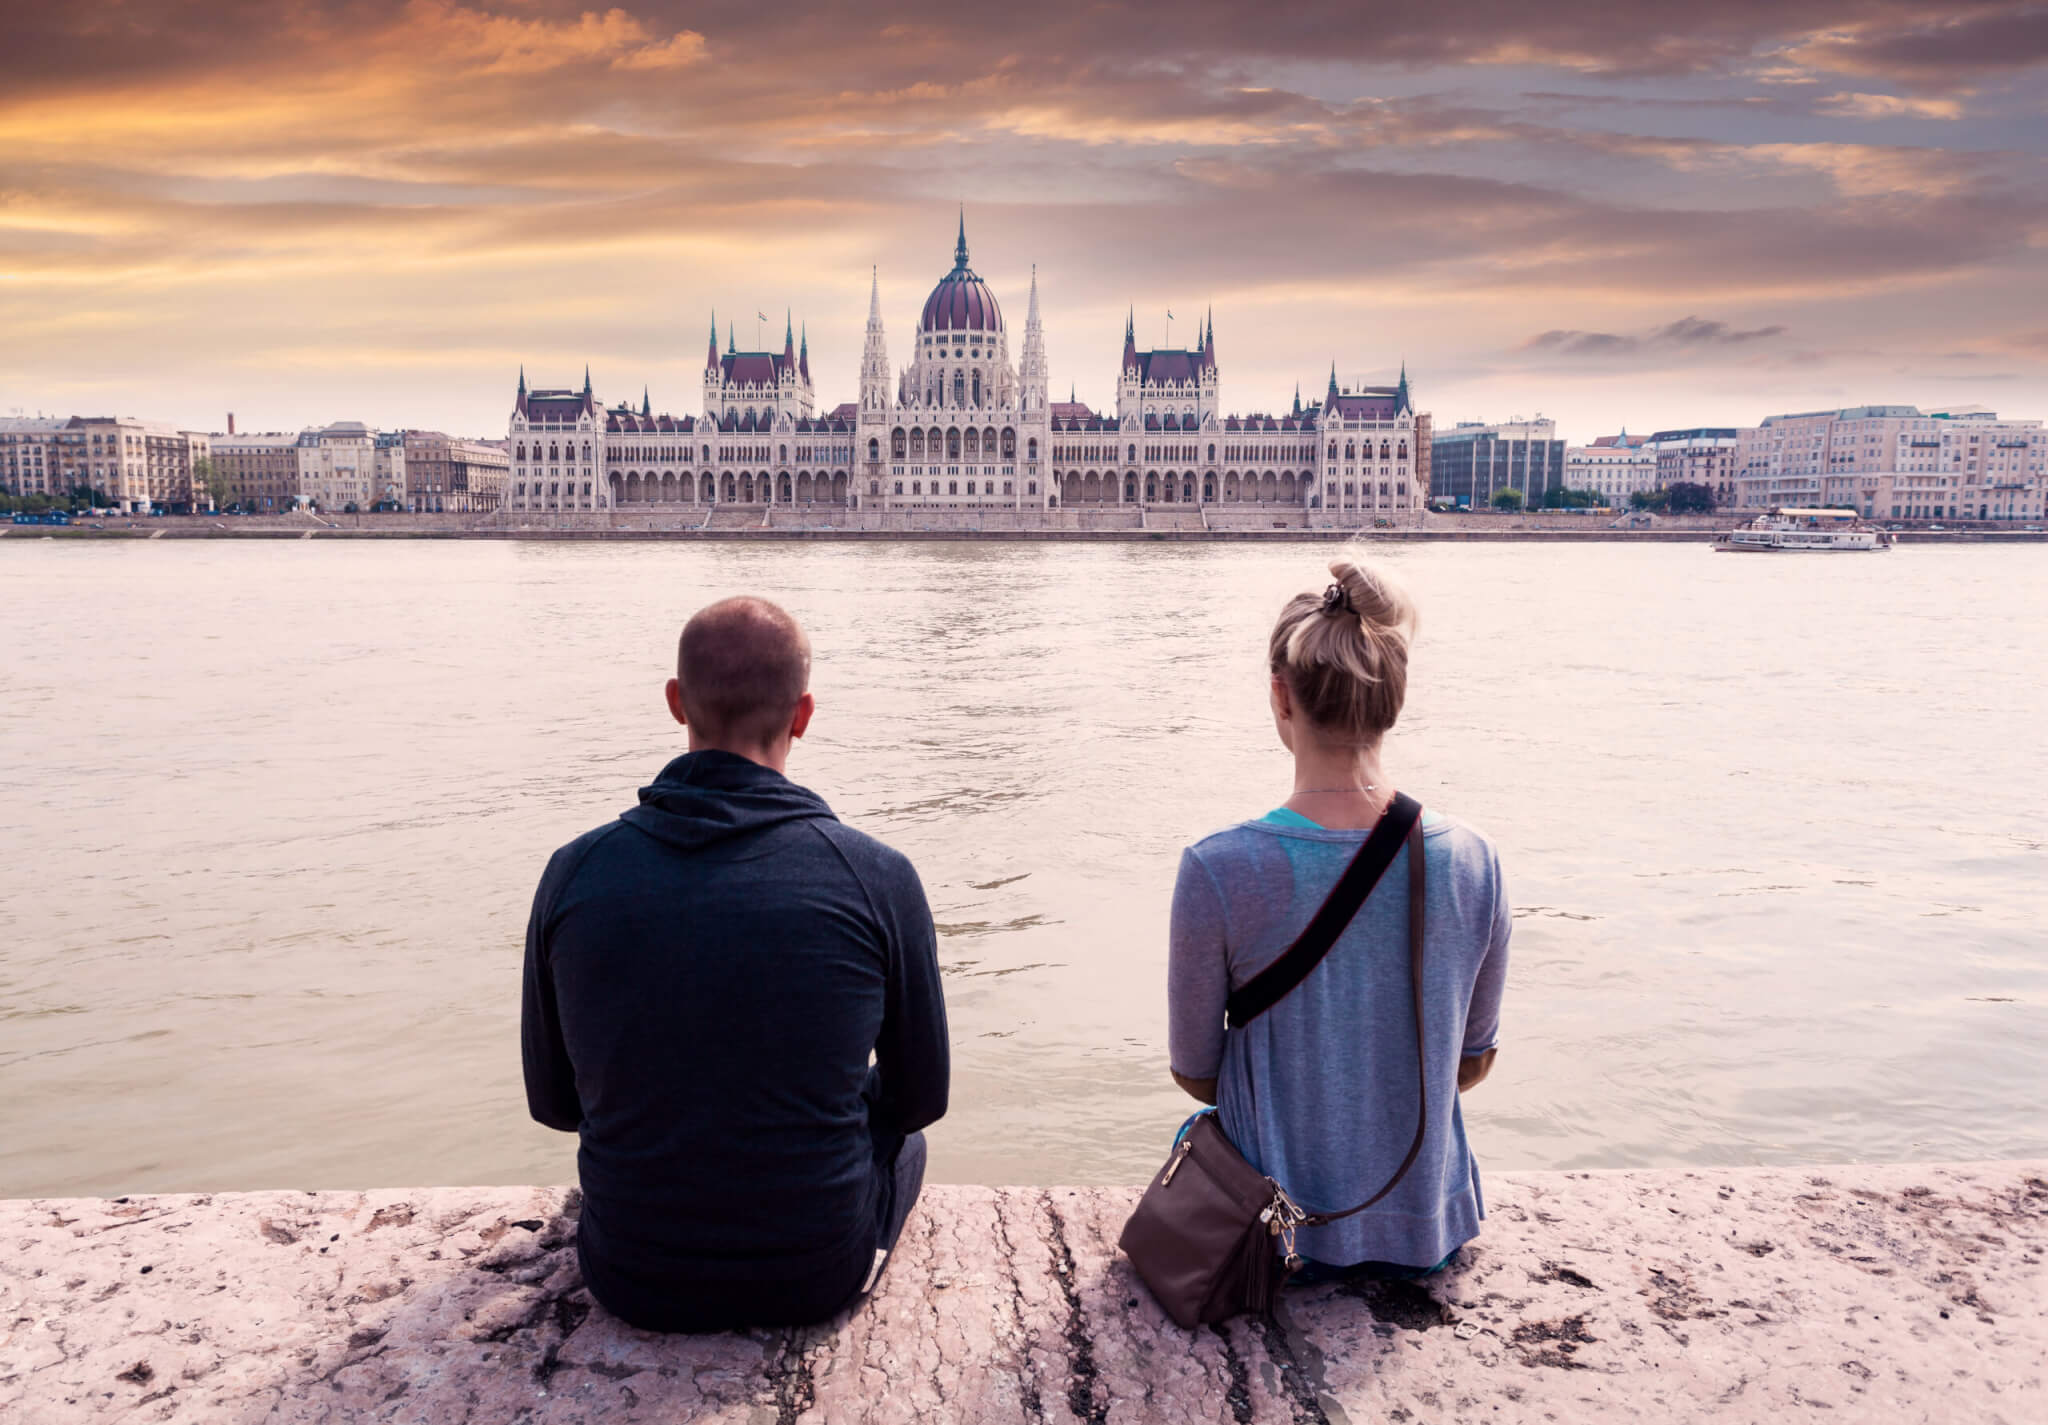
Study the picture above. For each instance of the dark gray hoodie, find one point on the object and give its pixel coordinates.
(706, 979)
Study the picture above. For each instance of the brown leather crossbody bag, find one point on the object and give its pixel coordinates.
(1212, 1235)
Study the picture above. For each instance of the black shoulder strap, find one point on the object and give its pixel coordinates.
(1272, 984)
(1418, 899)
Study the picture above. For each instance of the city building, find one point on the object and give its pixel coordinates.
(338, 467)
(1616, 466)
(1703, 455)
(387, 472)
(134, 465)
(261, 470)
(30, 462)
(446, 474)
(1897, 462)
(963, 427)
(1472, 462)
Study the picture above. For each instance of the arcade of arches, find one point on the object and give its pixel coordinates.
(1187, 487)
(733, 487)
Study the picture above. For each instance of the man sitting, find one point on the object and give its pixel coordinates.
(706, 980)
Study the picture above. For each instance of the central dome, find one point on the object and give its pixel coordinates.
(961, 301)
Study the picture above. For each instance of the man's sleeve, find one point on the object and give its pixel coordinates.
(913, 1055)
(550, 1079)
(1197, 974)
(1482, 1018)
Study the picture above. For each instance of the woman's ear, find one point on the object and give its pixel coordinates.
(1282, 701)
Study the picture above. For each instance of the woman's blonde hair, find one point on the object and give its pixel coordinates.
(1344, 652)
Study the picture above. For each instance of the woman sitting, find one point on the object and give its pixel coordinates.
(1320, 1092)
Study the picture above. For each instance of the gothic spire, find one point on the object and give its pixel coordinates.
(586, 378)
(874, 295)
(1031, 317)
(960, 248)
(646, 406)
(522, 378)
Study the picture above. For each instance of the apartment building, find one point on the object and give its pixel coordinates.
(1897, 462)
(29, 460)
(1702, 455)
(1617, 466)
(262, 469)
(134, 465)
(445, 473)
(338, 467)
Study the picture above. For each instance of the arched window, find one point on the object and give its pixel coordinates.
(1009, 444)
(977, 389)
(522, 450)
(952, 445)
(972, 443)
(874, 451)
(970, 487)
(1031, 451)
(1132, 453)
(1351, 450)
(874, 487)
(917, 445)
(1031, 488)
(554, 452)
(1333, 450)
(586, 454)
(959, 387)
(952, 487)
(1212, 452)
(896, 442)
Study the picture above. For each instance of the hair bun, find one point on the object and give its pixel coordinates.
(1379, 602)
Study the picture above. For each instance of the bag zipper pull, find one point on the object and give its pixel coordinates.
(1187, 1146)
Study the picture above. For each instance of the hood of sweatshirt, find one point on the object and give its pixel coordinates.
(703, 798)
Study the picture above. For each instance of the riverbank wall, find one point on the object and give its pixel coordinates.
(1906, 1293)
(1029, 526)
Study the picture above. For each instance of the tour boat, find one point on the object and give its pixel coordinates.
(1803, 531)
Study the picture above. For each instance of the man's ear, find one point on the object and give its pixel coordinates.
(675, 701)
(801, 719)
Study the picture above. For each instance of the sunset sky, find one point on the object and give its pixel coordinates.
(1644, 214)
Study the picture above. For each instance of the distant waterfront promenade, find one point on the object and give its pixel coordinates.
(757, 523)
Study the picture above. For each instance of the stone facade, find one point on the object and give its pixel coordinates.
(446, 474)
(262, 469)
(1616, 466)
(1897, 462)
(964, 427)
(31, 455)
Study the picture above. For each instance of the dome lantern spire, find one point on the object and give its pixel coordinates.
(960, 248)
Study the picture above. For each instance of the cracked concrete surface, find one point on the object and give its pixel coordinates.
(1894, 1294)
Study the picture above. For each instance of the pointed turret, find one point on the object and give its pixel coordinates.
(711, 355)
(646, 405)
(1131, 339)
(803, 353)
(1297, 398)
(788, 338)
(960, 248)
(522, 380)
(1401, 402)
(731, 346)
(586, 378)
(1031, 365)
(1333, 381)
(874, 357)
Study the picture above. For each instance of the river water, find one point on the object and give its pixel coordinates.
(271, 814)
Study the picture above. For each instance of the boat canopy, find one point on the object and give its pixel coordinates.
(1798, 514)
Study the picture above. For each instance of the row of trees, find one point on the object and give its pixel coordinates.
(1682, 498)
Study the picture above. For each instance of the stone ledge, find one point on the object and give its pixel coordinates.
(1893, 1293)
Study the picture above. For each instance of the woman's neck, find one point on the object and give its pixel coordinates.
(1341, 787)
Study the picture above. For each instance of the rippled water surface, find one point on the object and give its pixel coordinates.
(272, 816)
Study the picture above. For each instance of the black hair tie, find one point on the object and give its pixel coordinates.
(1337, 600)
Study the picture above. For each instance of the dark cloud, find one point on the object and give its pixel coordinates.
(1685, 333)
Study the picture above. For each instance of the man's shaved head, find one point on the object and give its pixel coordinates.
(743, 664)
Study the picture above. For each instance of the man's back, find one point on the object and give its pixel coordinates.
(706, 979)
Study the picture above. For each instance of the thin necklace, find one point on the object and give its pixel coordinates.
(1366, 790)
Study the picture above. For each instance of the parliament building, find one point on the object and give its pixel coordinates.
(964, 425)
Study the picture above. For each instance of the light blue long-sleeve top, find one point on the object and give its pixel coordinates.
(1319, 1092)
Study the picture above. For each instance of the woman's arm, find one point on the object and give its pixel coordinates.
(1472, 1069)
(1204, 1090)
(1197, 981)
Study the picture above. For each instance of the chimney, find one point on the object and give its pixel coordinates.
(231, 422)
